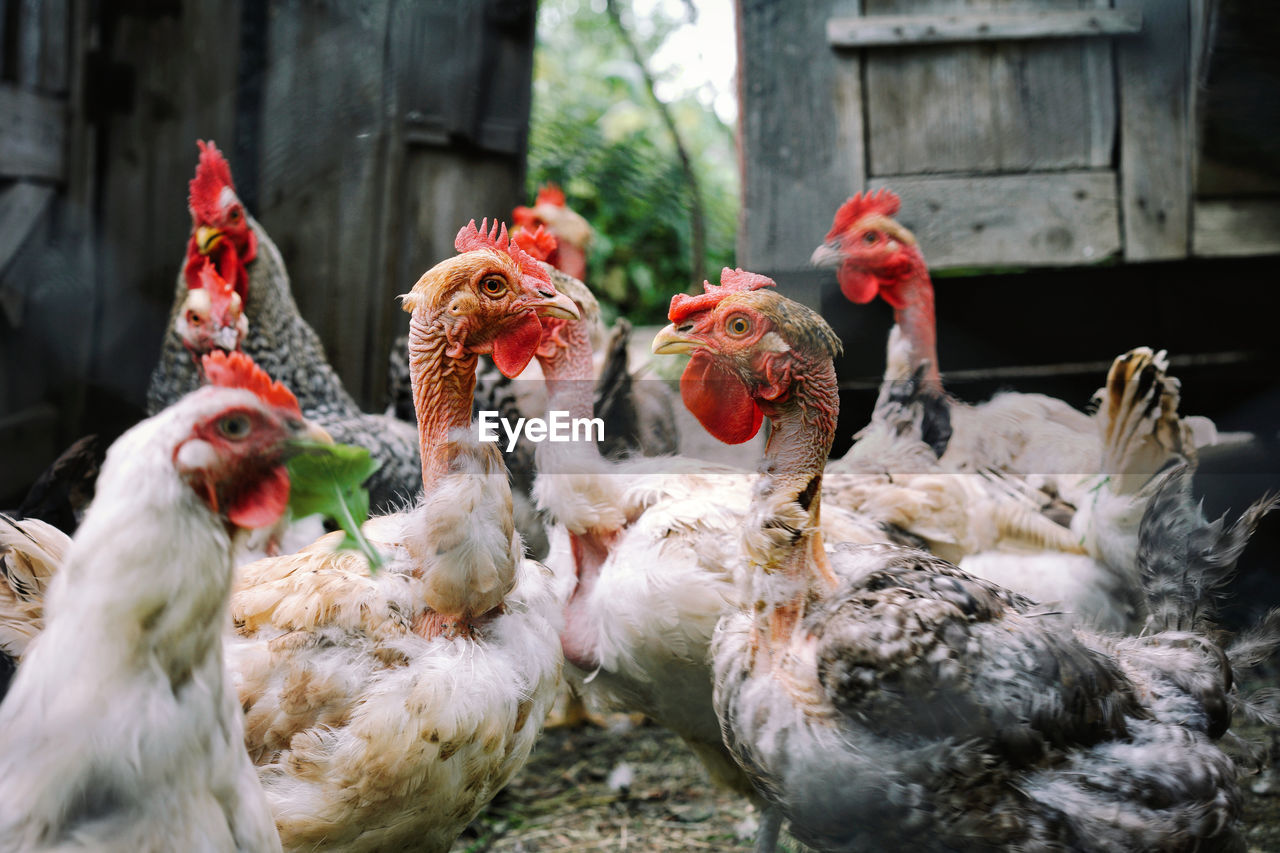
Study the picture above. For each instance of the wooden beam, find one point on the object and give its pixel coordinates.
(32, 135)
(1154, 73)
(899, 30)
(1236, 228)
(1011, 220)
(21, 205)
(801, 129)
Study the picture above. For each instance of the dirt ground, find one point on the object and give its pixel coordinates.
(572, 797)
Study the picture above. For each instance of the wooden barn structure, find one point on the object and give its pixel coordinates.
(362, 135)
(1083, 176)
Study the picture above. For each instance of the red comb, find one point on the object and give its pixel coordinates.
(471, 238)
(237, 370)
(525, 217)
(884, 202)
(212, 174)
(731, 281)
(538, 242)
(220, 292)
(550, 194)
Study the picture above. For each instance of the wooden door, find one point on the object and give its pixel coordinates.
(1018, 132)
(47, 297)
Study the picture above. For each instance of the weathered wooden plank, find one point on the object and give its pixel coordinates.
(54, 52)
(21, 205)
(989, 108)
(26, 67)
(32, 135)
(802, 131)
(185, 87)
(1011, 220)
(322, 163)
(1155, 131)
(1237, 227)
(26, 442)
(897, 30)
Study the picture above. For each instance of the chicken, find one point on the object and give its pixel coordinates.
(639, 415)
(644, 545)
(122, 730)
(1008, 469)
(988, 524)
(1032, 435)
(880, 698)
(384, 710)
(276, 337)
(571, 232)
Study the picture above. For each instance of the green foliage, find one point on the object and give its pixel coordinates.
(326, 479)
(596, 132)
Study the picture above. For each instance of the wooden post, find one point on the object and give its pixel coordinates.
(1155, 131)
(808, 157)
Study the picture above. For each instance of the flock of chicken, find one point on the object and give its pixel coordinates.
(997, 636)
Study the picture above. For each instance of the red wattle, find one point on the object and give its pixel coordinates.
(263, 505)
(514, 349)
(719, 400)
(857, 286)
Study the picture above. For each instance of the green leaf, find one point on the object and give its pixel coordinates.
(327, 479)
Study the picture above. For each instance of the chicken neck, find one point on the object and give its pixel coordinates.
(783, 542)
(569, 373)
(569, 370)
(914, 314)
(443, 378)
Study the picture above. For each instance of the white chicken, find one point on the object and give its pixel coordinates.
(122, 731)
(1033, 435)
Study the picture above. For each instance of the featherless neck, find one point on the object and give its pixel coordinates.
(570, 372)
(918, 322)
(783, 538)
(443, 377)
(803, 426)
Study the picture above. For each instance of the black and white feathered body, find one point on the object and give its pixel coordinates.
(286, 346)
(918, 707)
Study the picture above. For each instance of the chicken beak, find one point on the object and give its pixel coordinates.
(227, 338)
(314, 432)
(672, 341)
(827, 255)
(556, 305)
(207, 238)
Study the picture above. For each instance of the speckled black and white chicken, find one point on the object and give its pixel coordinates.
(276, 337)
(880, 698)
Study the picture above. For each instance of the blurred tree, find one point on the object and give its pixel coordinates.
(597, 132)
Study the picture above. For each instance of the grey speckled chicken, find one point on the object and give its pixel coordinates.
(880, 698)
(276, 337)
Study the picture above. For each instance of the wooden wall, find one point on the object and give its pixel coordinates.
(361, 135)
(1018, 132)
(47, 303)
(1046, 153)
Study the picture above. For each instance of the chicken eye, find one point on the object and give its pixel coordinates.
(870, 237)
(235, 214)
(235, 427)
(493, 286)
(193, 319)
(738, 325)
